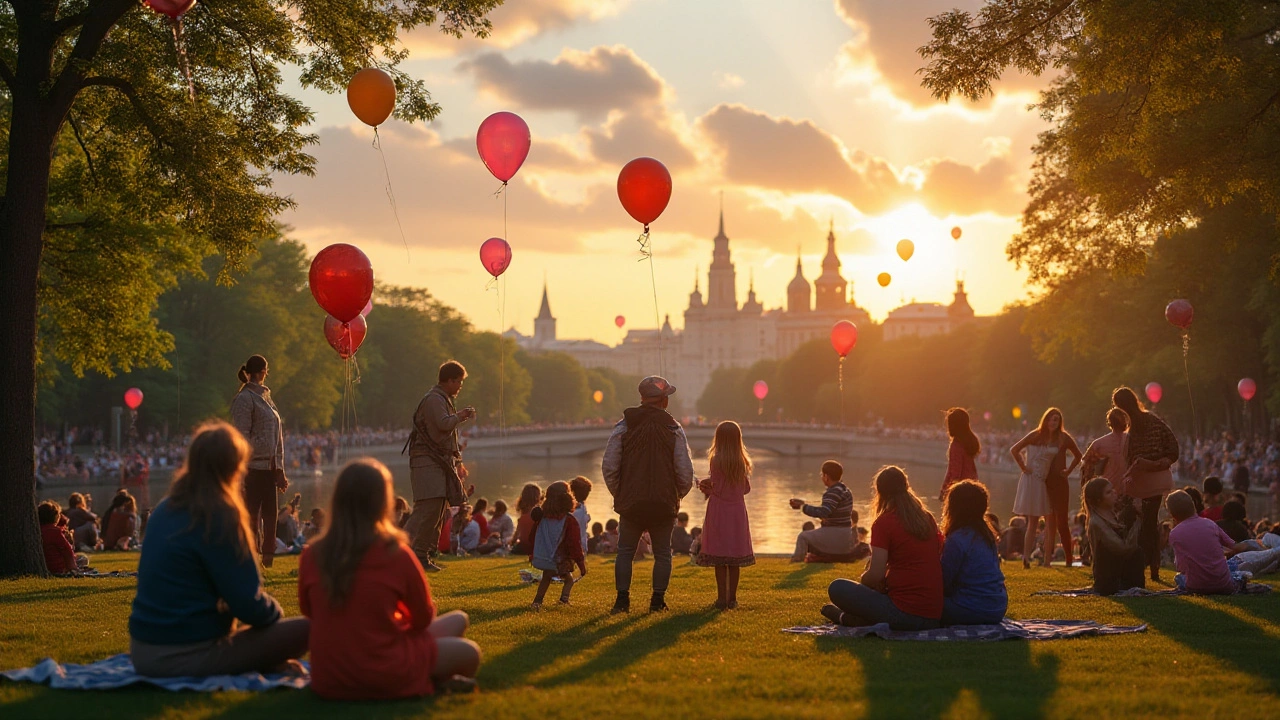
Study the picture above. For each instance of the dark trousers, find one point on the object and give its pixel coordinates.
(1059, 499)
(424, 526)
(260, 501)
(629, 532)
(1149, 536)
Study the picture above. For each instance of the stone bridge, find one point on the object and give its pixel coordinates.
(795, 440)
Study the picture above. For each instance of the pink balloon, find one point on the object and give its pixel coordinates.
(619, 321)
(844, 335)
(495, 255)
(986, 415)
(346, 338)
(760, 389)
(503, 142)
(172, 8)
(1180, 313)
(368, 308)
(1154, 392)
(1247, 388)
(133, 398)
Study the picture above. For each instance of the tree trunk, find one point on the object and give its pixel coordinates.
(22, 220)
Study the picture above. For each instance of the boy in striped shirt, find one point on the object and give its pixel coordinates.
(835, 536)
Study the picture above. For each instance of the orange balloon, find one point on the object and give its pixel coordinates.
(372, 96)
(884, 279)
(955, 233)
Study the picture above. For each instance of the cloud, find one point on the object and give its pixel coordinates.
(588, 84)
(887, 36)
(954, 188)
(728, 80)
(515, 23)
(629, 135)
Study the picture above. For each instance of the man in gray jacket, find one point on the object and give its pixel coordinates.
(434, 455)
(648, 470)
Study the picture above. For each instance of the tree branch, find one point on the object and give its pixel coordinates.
(75, 129)
(126, 88)
(102, 16)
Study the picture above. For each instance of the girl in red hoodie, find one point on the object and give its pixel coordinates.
(556, 544)
(374, 630)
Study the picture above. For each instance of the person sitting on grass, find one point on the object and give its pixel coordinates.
(593, 542)
(681, 540)
(374, 630)
(465, 532)
(973, 590)
(1118, 559)
(1011, 540)
(501, 530)
(198, 575)
(59, 556)
(478, 509)
(835, 538)
(1234, 522)
(122, 529)
(312, 528)
(1198, 550)
(530, 498)
(557, 542)
(609, 544)
(1213, 501)
(695, 540)
(902, 585)
(82, 523)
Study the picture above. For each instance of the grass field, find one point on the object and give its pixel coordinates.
(1202, 657)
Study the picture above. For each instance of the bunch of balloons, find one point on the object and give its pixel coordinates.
(341, 280)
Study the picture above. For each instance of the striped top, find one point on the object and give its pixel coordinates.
(836, 509)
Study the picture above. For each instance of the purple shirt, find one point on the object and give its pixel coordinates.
(1197, 548)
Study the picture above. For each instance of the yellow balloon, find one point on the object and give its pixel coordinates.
(884, 279)
(906, 249)
(1017, 412)
(598, 397)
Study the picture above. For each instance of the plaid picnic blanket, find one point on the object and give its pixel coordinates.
(1006, 630)
(1250, 589)
(117, 672)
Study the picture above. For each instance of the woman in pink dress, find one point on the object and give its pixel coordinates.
(726, 533)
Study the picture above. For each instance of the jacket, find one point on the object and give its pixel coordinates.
(646, 466)
(256, 417)
(435, 423)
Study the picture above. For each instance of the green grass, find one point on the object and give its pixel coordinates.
(1202, 657)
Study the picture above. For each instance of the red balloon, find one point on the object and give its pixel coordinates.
(619, 321)
(644, 187)
(1247, 388)
(133, 398)
(1180, 313)
(503, 142)
(346, 338)
(341, 280)
(495, 256)
(1154, 392)
(172, 8)
(844, 335)
(760, 389)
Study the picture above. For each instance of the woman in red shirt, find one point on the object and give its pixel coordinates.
(902, 585)
(962, 453)
(374, 631)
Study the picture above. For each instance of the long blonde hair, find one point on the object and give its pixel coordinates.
(728, 454)
(209, 484)
(360, 514)
(893, 493)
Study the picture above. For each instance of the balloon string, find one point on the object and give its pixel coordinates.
(500, 189)
(841, 382)
(180, 46)
(1186, 374)
(646, 251)
(391, 193)
(502, 372)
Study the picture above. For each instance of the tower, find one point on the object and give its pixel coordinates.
(695, 297)
(798, 290)
(960, 311)
(830, 287)
(752, 306)
(544, 326)
(721, 290)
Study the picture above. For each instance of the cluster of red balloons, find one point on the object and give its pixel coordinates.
(341, 280)
(503, 142)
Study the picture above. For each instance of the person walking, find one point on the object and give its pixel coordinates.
(648, 470)
(256, 417)
(436, 472)
(1042, 487)
(1153, 449)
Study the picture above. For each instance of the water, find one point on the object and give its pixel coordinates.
(774, 524)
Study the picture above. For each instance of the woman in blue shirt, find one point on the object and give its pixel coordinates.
(198, 575)
(972, 583)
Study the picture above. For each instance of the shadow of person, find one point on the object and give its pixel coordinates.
(997, 679)
(632, 647)
(799, 577)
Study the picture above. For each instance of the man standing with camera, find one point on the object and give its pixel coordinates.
(436, 472)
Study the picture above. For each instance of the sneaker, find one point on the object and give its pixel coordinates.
(832, 613)
(622, 605)
(457, 685)
(430, 566)
(657, 603)
(565, 601)
(721, 605)
(733, 605)
(535, 605)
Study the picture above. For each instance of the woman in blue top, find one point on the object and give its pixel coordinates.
(198, 575)
(972, 584)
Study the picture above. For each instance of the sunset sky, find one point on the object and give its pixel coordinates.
(802, 112)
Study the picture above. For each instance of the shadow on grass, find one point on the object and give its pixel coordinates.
(632, 647)
(1216, 633)
(928, 679)
(65, 592)
(799, 577)
(513, 667)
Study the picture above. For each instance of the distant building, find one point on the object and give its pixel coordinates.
(925, 319)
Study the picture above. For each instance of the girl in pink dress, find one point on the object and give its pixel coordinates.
(726, 533)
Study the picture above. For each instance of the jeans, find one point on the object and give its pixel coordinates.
(629, 532)
(260, 500)
(825, 541)
(1149, 535)
(864, 606)
(953, 614)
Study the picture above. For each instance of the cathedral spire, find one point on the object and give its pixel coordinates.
(544, 313)
(722, 212)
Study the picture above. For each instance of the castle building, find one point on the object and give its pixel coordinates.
(925, 319)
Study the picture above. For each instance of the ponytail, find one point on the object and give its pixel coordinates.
(256, 364)
(243, 374)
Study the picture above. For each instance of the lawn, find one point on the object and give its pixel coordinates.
(1202, 657)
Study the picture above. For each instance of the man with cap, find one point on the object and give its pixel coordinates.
(647, 469)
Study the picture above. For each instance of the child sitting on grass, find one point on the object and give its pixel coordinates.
(1118, 560)
(59, 556)
(557, 541)
(374, 630)
(1198, 545)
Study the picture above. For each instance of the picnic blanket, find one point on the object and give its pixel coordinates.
(117, 672)
(1006, 630)
(1250, 589)
(91, 573)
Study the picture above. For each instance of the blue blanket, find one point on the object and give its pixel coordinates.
(117, 672)
(1006, 630)
(1250, 589)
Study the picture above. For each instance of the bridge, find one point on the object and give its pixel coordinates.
(793, 440)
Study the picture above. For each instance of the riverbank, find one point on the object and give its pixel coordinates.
(1201, 657)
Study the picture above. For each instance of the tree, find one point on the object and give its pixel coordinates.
(560, 393)
(190, 170)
